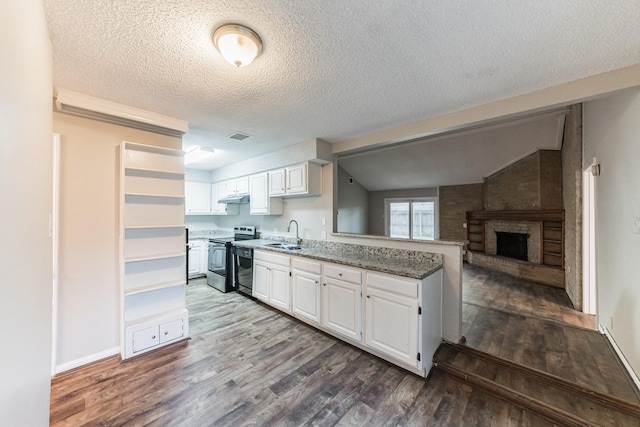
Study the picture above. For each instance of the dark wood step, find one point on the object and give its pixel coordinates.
(555, 398)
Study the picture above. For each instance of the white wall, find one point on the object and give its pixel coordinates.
(26, 189)
(89, 295)
(353, 205)
(611, 131)
(307, 211)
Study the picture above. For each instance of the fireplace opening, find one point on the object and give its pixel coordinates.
(512, 245)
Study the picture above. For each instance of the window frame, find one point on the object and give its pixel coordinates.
(411, 200)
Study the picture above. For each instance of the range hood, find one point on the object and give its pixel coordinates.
(235, 199)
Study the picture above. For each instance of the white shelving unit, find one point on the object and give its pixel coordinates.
(152, 248)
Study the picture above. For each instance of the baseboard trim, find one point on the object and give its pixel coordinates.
(623, 359)
(86, 360)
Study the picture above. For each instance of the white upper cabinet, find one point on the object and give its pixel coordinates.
(260, 203)
(219, 191)
(304, 179)
(201, 198)
(242, 185)
(197, 198)
(237, 186)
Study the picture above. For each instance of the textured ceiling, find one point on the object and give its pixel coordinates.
(330, 69)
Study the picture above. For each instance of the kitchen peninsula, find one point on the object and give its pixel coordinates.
(385, 301)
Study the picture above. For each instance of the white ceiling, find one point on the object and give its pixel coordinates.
(330, 69)
(464, 157)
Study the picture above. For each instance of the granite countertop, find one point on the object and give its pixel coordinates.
(399, 262)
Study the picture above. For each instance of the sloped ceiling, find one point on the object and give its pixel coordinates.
(330, 69)
(460, 158)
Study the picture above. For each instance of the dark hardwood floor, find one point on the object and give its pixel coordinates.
(247, 364)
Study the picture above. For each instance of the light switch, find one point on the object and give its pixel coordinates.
(636, 225)
(324, 220)
(323, 235)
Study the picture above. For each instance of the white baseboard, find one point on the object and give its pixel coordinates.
(86, 360)
(626, 364)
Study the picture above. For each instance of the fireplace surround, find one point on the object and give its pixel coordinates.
(543, 242)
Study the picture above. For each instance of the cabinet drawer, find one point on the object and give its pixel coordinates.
(271, 258)
(342, 273)
(308, 266)
(171, 331)
(146, 338)
(396, 285)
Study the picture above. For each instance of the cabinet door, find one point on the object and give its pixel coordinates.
(195, 258)
(261, 281)
(306, 296)
(392, 325)
(146, 338)
(297, 179)
(197, 197)
(171, 330)
(259, 200)
(342, 308)
(242, 185)
(277, 183)
(204, 257)
(280, 290)
(230, 188)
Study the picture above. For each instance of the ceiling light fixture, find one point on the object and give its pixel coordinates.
(197, 154)
(238, 45)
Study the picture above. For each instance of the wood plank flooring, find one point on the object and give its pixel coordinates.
(247, 364)
(535, 325)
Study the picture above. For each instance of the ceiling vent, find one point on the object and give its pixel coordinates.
(239, 136)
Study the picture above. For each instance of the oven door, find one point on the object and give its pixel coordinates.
(243, 264)
(217, 266)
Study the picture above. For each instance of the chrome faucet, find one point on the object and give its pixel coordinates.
(298, 239)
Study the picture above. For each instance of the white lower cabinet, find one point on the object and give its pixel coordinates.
(306, 278)
(148, 335)
(396, 318)
(195, 258)
(392, 325)
(271, 282)
(342, 301)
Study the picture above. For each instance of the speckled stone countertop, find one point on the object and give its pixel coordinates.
(207, 234)
(399, 262)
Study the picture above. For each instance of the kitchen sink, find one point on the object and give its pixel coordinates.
(285, 246)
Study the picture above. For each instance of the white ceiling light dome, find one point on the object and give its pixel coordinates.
(238, 44)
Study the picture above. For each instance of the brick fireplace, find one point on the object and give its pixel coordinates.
(543, 231)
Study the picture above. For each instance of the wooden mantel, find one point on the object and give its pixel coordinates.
(516, 215)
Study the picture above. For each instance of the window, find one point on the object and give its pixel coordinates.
(412, 218)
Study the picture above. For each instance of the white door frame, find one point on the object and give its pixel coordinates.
(54, 234)
(589, 277)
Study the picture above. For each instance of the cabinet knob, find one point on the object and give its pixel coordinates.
(153, 337)
(316, 282)
(324, 284)
(166, 332)
(368, 296)
(340, 274)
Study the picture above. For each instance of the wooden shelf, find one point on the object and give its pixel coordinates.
(154, 287)
(152, 248)
(158, 173)
(160, 196)
(516, 215)
(144, 226)
(153, 149)
(154, 257)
